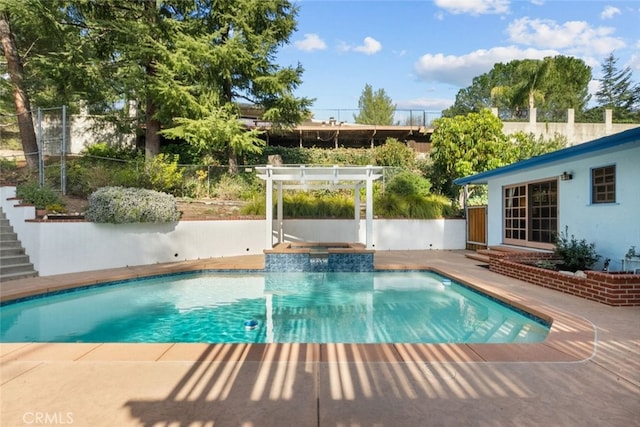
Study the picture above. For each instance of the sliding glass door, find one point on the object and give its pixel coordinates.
(530, 214)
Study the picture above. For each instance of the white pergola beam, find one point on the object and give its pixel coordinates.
(306, 178)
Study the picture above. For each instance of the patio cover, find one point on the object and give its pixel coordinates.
(314, 178)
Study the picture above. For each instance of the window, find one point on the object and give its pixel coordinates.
(603, 184)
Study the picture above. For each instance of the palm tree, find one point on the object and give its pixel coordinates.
(528, 88)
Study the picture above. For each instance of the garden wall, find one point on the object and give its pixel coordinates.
(57, 247)
(616, 289)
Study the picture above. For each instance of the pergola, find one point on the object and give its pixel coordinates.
(312, 178)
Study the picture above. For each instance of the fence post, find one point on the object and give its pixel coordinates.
(40, 150)
(63, 153)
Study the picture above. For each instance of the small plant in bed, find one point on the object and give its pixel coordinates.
(40, 197)
(575, 254)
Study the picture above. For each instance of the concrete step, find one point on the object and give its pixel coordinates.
(13, 260)
(18, 275)
(14, 249)
(15, 268)
(8, 236)
(10, 244)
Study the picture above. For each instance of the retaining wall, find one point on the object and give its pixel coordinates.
(56, 247)
(616, 289)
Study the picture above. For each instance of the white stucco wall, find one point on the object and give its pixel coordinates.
(66, 247)
(388, 234)
(612, 227)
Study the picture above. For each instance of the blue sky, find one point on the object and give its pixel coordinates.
(422, 52)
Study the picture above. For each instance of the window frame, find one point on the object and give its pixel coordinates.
(606, 188)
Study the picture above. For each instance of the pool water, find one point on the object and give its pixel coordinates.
(378, 307)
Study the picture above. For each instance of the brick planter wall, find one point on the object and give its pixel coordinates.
(616, 289)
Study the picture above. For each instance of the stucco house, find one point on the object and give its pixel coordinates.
(592, 188)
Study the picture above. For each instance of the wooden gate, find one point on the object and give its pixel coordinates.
(476, 227)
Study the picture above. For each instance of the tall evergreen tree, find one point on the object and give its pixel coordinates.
(20, 97)
(376, 108)
(617, 90)
(176, 61)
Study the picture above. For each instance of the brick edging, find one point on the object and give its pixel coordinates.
(614, 289)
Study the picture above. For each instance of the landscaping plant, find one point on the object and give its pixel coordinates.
(119, 205)
(575, 254)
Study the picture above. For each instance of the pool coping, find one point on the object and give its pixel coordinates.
(571, 338)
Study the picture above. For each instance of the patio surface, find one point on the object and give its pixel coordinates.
(587, 373)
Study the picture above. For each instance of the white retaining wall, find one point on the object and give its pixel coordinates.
(67, 247)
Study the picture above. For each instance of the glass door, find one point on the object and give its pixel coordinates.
(531, 214)
(515, 215)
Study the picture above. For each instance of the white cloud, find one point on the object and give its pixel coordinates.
(573, 37)
(474, 7)
(368, 47)
(609, 12)
(428, 104)
(460, 70)
(310, 43)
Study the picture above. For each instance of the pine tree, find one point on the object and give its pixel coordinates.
(617, 91)
(21, 99)
(375, 108)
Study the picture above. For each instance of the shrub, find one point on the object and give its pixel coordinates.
(575, 254)
(119, 205)
(104, 150)
(395, 153)
(162, 173)
(407, 183)
(40, 197)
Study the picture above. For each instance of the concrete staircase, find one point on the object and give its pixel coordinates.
(14, 263)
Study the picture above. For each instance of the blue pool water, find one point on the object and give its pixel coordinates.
(378, 307)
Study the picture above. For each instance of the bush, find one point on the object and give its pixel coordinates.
(575, 254)
(407, 183)
(104, 150)
(395, 153)
(40, 197)
(119, 205)
(163, 174)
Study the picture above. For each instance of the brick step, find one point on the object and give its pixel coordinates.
(478, 257)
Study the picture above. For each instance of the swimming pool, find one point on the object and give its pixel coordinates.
(263, 307)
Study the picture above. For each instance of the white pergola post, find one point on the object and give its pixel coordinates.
(280, 214)
(269, 207)
(369, 208)
(356, 213)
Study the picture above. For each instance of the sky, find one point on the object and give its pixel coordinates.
(422, 52)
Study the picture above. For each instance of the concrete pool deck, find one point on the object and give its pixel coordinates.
(586, 373)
